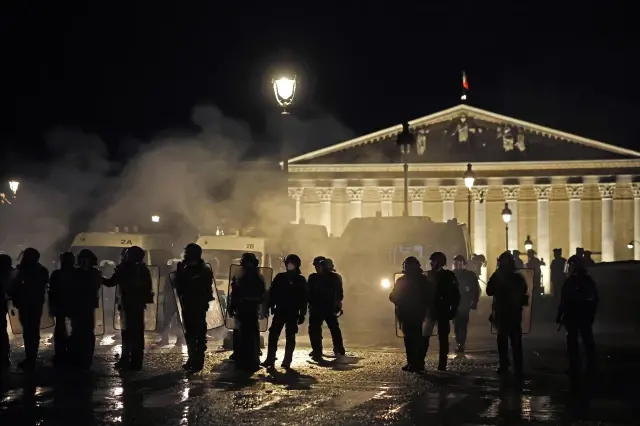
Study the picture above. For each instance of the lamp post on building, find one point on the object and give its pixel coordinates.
(405, 140)
(528, 244)
(631, 244)
(506, 217)
(469, 179)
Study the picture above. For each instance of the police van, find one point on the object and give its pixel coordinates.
(222, 251)
(374, 248)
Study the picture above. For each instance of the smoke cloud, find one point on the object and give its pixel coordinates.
(197, 180)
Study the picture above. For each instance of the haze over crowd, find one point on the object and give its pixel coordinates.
(199, 179)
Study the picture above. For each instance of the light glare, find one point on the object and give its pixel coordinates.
(155, 219)
(385, 283)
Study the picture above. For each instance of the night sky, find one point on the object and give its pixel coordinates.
(135, 70)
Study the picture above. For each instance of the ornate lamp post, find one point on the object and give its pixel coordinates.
(285, 90)
(405, 140)
(469, 179)
(631, 244)
(506, 217)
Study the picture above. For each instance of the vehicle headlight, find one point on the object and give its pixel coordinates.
(385, 283)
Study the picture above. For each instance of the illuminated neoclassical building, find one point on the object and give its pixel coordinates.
(564, 190)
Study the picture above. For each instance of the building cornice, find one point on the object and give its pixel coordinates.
(525, 166)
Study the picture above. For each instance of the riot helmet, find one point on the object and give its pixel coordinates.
(411, 264)
(134, 254)
(67, 259)
(438, 260)
(5, 261)
(249, 260)
(294, 261)
(192, 252)
(506, 262)
(329, 265)
(531, 253)
(29, 256)
(319, 260)
(87, 259)
(459, 262)
(575, 264)
(319, 263)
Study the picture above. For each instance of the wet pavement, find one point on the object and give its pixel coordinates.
(366, 387)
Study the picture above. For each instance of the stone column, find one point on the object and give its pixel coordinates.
(635, 188)
(386, 198)
(325, 207)
(510, 193)
(480, 227)
(296, 194)
(574, 191)
(354, 194)
(448, 194)
(606, 193)
(542, 247)
(416, 196)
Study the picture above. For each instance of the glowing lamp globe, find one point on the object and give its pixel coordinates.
(155, 219)
(506, 213)
(469, 177)
(13, 185)
(528, 244)
(285, 90)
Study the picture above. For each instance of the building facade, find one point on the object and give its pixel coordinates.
(564, 191)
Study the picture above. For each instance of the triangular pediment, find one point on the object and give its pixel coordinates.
(467, 134)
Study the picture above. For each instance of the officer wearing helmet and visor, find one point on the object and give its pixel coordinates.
(325, 304)
(28, 292)
(577, 310)
(445, 308)
(6, 270)
(247, 297)
(288, 304)
(509, 291)
(194, 285)
(84, 295)
(135, 286)
(60, 296)
(469, 289)
(413, 297)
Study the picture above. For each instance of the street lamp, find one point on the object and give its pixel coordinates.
(506, 217)
(155, 219)
(285, 90)
(469, 179)
(528, 244)
(13, 186)
(630, 244)
(405, 140)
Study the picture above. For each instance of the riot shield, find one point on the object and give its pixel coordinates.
(428, 326)
(151, 310)
(215, 313)
(98, 325)
(235, 273)
(46, 320)
(527, 273)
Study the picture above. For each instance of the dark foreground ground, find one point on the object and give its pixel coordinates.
(365, 388)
